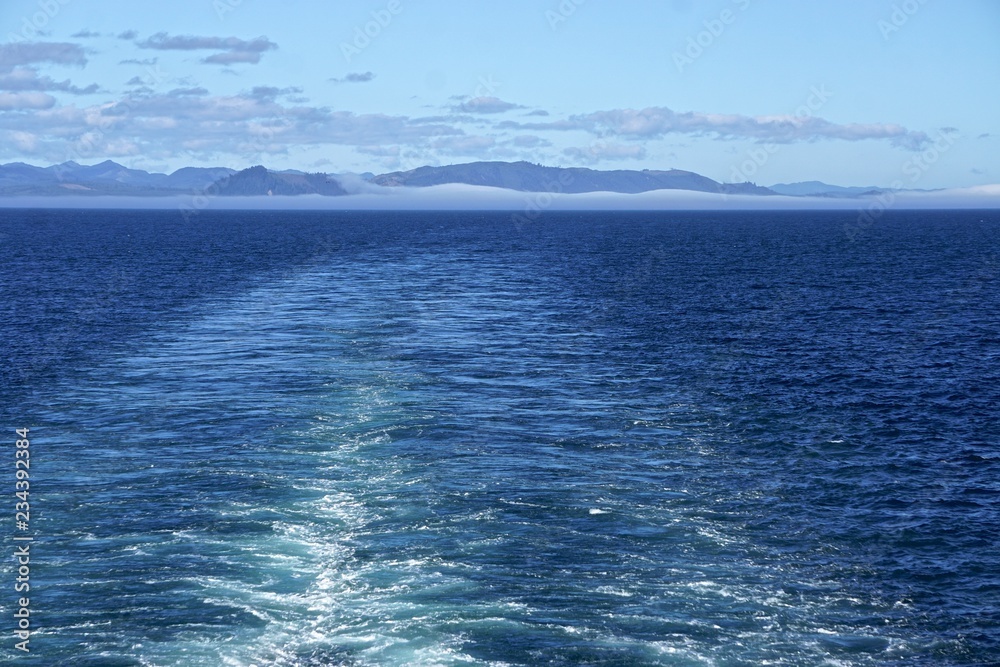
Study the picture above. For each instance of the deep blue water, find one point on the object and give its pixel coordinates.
(307, 439)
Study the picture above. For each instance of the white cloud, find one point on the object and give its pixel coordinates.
(25, 53)
(13, 101)
(657, 122)
(485, 105)
(238, 128)
(24, 141)
(27, 78)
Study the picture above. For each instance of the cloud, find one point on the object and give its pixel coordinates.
(180, 92)
(136, 61)
(26, 53)
(83, 34)
(464, 145)
(657, 122)
(444, 119)
(984, 135)
(163, 41)
(485, 105)
(233, 58)
(530, 141)
(354, 184)
(27, 78)
(601, 152)
(556, 125)
(17, 73)
(910, 141)
(355, 77)
(233, 50)
(24, 141)
(538, 112)
(128, 34)
(379, 151)
(241, 129)
(269, 93)
(14, 101)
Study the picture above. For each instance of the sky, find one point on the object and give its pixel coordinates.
(887, 93)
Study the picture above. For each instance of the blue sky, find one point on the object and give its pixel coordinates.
(851, 92)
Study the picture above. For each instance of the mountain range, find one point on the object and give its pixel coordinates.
(528, 177)
(111, 178)
(106, 178)
(818, 189)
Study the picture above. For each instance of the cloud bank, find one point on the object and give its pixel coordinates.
(470, 197)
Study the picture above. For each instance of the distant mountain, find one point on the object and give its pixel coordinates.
(528, 177)
(197, 178)
(105, 178)
(819, 189)
(21, 178)
(259, 181)
(111, 178)
(105, 172)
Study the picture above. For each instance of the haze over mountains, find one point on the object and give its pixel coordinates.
(111, 178)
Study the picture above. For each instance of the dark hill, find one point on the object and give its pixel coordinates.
(528, 177)
(259, 181)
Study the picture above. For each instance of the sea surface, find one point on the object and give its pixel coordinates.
(403, 439)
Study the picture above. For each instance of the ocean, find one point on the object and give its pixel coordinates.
(417, 438)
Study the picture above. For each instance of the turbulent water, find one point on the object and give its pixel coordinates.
(307, 439)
